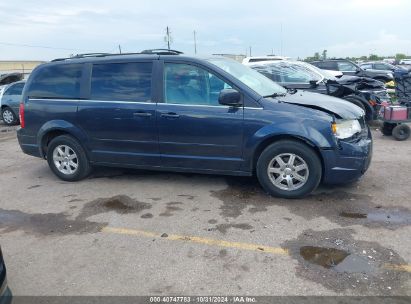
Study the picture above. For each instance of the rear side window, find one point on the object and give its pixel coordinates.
(58, 81)
(129, 81)
(15, 89)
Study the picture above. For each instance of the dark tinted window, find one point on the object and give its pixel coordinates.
(58, 81)
(382, 66)
(346, 66)
(15, 89)
(366, 66)
(327, 65)
(129, 81)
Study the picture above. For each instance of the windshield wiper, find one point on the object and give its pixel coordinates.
(275, 95)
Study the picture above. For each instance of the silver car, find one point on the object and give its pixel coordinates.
(10, 101)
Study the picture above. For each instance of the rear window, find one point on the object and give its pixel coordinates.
(15, 89)
(58, 81)
(326, 65)
(129, 81)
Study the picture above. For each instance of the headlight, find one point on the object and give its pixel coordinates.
(346, 128)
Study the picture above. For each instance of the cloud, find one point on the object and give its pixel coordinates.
(343, 27)
(385, 44)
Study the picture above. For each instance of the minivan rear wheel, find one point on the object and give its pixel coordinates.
(67, 158)
(289, 169)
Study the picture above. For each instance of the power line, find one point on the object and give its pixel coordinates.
(43, 47)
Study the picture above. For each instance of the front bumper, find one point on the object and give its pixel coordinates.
(349, 162)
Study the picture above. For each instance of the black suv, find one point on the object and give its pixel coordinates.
(348, 67)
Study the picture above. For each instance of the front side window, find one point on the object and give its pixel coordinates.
(57, 81)
(189, 84)
(130, 81)
(15, 89)
(346, 66)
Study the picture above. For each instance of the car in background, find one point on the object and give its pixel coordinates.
(5, 293)
(389, 60)
(348, 67)
(296, 75)
(10, 102)
(405, 61)
(253, 59)
(384, 66)
(10, 78)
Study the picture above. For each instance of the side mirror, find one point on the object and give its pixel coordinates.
(229, 97)
(313, 83)
(357, 70)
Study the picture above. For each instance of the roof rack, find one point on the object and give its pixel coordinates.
(153, 52)
(162, 52)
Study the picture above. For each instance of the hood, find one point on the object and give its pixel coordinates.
(337, 106)
(10, 78)
(364, 81)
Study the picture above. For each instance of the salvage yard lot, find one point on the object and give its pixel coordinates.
(129, 232)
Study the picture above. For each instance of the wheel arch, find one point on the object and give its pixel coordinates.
(272, 139)
(53, 129)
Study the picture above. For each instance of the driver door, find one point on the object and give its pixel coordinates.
(195, 131)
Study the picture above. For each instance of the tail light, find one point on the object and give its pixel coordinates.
(372, 102)
(21, 114)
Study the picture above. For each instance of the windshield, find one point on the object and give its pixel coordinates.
(254, 80)
(288, 72)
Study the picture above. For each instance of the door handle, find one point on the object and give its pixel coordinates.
(142, 114)
(170, 115)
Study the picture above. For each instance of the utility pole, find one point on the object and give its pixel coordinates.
(281, 38)
(250, 50)
(119, 48)
(167, 37)
(195, 43)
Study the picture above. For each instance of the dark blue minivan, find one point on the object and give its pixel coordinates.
(166, 111)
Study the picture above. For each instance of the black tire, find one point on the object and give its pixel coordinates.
(401, 132)
(387, 128)
(9, 117)
(304, 152)
(83, 168)
(358, 101)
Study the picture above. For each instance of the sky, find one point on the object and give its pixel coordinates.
(47, 29)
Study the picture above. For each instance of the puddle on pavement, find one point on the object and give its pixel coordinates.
(336, 259)
(171, 207)
(59, 223)
(223, 228)
(45, 224)
(244, 194)
(355, 215)
(389, 217)
(121, 204)
(339, 262)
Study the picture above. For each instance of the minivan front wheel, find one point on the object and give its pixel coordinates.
(67, 158)
(289, 169)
